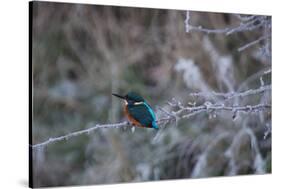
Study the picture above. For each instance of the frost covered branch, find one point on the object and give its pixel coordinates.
(183, 112)
(209, 107)
(247, 24)
(253, 43)
(77, 133)
(189, 27)
(235, 94)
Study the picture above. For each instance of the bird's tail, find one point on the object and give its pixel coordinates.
(154, 125)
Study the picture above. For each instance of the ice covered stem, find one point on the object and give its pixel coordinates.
(186, 22)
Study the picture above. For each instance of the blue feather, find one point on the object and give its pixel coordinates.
(144, 114)
(150, 111)
(154, 124)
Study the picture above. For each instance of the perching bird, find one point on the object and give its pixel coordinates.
(138, 111)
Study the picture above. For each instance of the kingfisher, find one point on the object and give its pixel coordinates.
(138, 111)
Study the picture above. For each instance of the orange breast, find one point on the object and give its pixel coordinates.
(130, 118)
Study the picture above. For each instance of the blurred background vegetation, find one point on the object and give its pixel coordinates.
(83, 53)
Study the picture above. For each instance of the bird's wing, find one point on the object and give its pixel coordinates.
(142, 114)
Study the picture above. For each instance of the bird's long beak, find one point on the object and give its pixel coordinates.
(119, 96)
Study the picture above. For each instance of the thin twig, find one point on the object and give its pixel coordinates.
(215, 107)
(77, 133)
(246, 25)
(235, 94)
(253, 43)
(194, 110)
(244, 18)
(171, 115)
